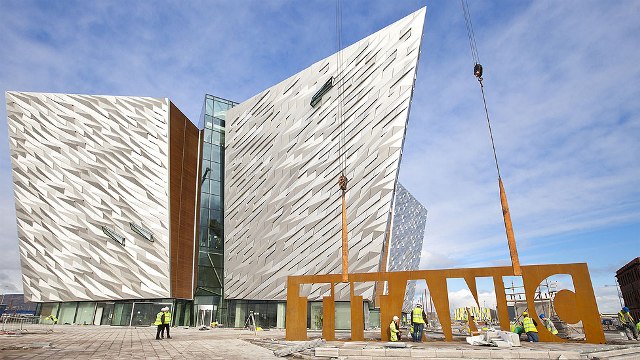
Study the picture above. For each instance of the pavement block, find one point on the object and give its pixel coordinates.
(504, 354)
(534, 355)
(373, 352)
(357, 357)
(448, 353)
(398, 352)
(480, 354)
(568, 355)
(349, 352)
(423, 353)
(326, 352)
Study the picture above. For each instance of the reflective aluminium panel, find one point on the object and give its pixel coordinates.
(282, 202)
(85, 168)
(409, 221)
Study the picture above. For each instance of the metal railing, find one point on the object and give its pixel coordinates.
(22, 324)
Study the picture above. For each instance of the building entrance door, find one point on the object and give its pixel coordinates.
(98, 317)
(205, 314)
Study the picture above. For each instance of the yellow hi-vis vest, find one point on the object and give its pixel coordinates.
(528, 325)
(417, 316)
(625, 318)
(394, 332)
(549, 325)
(158, 319)
(167, 317)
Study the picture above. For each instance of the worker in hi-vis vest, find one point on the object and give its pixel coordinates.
(548, 324)
(417, 320)
(163, 320)
(394, 329)
(530, 327)
(627, 324)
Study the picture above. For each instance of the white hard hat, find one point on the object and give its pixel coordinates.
(419, 305)
(395, 318)
(164, 309)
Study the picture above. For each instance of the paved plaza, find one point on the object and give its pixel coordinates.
(110, 342)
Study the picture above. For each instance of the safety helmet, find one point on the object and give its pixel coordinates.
(395, 318)
(525, 313)
(625, 309)
(419, 305)
(541, 316)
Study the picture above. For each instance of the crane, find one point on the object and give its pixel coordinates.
(477, 72)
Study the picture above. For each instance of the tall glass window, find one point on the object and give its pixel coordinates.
(85, 313)
(67, 313)
(211, 230)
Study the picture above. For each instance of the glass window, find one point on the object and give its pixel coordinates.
(85, 313)
(122, 314)
(203, 235)
(67, 313)
(216, 137)
(282, 311)
(315, 315)
(216, 154)
(105, 310)
(144, 314)
(49, 308)
(204, 200)
(343, 315)
(208, 106)
(216, 215)
(206, 153)
(215, 187)
(216, 202)
(215, 172)
(207, 135)
(204, 216)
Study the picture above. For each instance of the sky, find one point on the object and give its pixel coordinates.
(561, 81)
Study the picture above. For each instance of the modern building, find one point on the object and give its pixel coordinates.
(409, 222)
(629, 280)
(124, 206)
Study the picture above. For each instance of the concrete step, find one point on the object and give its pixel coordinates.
(421, 353)
(617, 354)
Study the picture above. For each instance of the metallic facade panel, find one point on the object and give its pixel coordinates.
(282, 202)
(409, 221)
(82, 162)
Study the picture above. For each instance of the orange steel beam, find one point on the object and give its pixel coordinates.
(345, 242)
(513, 251)
(342, 182)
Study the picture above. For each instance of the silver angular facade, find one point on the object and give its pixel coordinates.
(85, 167)
(282, 202)
(409, 222)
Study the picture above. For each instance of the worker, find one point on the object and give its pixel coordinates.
(417, 320)
(167, 320)
(548, 324)
(394, 329)
(530, 327)
(472, 326)
(627, 324)
(163, 319)
(53, 319)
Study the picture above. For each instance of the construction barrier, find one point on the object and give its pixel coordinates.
(22, 324)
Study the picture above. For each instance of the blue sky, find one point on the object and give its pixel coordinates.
(561, 79)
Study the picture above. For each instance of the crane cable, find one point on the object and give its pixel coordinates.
(477, 72)
(342, 160)
(340, 85)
